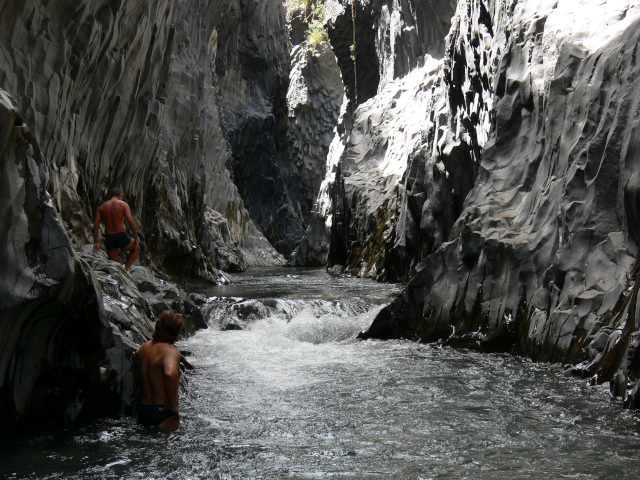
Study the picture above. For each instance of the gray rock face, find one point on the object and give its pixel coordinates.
(540, 260)
(408, 33)
(314, 99)
(48, 368)
(376, 159)
(97, 95)
(132, 302)
(69, 321)
(391, 39)
(126, 94)
(252, 65)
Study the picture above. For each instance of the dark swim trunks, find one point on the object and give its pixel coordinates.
(117, 240)
(151, 415)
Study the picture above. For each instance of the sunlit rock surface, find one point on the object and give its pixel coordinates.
(314, 99)
(486, 151)
(540, 260)
(400, 46)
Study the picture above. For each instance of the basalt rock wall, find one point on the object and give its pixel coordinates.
(98, 94)
(360, 222)
(540, 258)
(52, 326)
(126, 94)
(252, 64)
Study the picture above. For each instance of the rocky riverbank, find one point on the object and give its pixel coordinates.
(517, 217)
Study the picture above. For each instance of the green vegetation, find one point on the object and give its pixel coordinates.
(312, 13)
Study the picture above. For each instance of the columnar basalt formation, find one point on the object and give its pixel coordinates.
(252, 64)
(314, 99)
(540, 260)
(363, 199)
(95, 95)
(126, 94)
(494, 169)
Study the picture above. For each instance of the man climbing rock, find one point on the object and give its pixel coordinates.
(159, 365)
(112, 213)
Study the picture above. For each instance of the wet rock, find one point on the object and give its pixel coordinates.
(132, 302)
(226, 313)
(250, 310)
(232, 326)
(52, 326)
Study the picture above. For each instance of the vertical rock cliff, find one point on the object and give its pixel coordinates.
(494, 170)
(126, 93)
(133, 94)
(51, 323)
(401, 105)
(523, 208)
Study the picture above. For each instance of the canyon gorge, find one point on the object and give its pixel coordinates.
(479, 151)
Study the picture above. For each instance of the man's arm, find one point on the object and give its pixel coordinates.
(96, 228)
(132, 224)
(171, 364)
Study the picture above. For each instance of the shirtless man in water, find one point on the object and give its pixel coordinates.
(112, 213)
(159, 364)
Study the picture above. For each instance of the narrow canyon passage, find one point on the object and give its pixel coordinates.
(294, 395)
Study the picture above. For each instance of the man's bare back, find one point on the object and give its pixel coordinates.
(159, 364)
(112, 213)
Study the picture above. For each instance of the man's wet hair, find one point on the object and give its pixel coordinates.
(115, 191)
(168, 326)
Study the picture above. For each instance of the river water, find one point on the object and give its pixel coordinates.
(294, 395)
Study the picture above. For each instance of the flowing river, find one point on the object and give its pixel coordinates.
(295, 395)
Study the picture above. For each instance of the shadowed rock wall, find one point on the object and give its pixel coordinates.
(51, 325)
(252, 64)
(126, 94)
(98, 94)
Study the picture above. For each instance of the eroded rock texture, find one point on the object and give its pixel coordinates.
(252, 64)
(51, 323)
(94, 95)
(540, 260)
(126, 94)
(377, 159)
(69, 321)
(314, 99)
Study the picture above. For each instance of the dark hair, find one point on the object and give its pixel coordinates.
(168, 326)
(115, 191)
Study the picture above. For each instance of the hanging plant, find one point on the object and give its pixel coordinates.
(312, 14)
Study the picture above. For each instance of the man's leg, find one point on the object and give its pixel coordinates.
(113, 254)
(171, 423)
(134, 248)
